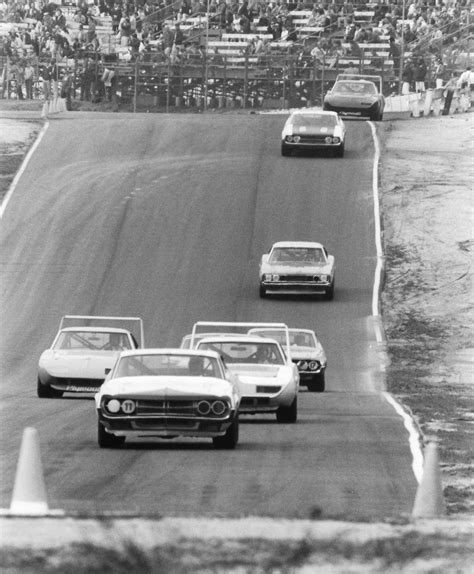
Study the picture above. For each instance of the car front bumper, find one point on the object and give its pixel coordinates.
(71, 384)
(353, 111)
(267, 403)
(308, 376)
(130, 426)
(296, 286)
(311, 145)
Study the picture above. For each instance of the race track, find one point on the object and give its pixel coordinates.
(165, 217)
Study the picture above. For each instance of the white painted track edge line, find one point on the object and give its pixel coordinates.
(409, 423)
(378, 233)
(413, 433)
(23, 166)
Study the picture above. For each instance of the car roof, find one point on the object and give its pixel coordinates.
(204, 334)
(297, 244)
(313, 112)
(95, 329)
(238, 338)
(279, 329)
(171, 351)
(354, 81)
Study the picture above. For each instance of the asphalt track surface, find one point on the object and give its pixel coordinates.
(166, 217)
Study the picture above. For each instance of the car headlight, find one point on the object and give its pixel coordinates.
(314, 365)
(335, 140)
(204, 407)
(328, 139)
(112, 406)
(271, 277)
(302, 365)
(324, 277)
(218, 408)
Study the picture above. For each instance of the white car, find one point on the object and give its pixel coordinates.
(296, 267)
(168, 393)
(80, 354)
(306, 352)
(311, 130)
(268, 380)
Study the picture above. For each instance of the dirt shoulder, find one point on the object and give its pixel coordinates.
(426, 198)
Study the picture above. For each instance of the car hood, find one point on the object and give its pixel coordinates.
(167, 387)
(313, 130)
(307, 354)
(78, 364)
(290, 268)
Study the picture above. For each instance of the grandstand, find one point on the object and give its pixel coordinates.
(180, 52)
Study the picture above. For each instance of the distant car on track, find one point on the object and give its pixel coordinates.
(168, 393)
(80, 354)
(306, 352)
(295, 267)
(356, 96)
(312, 130)
(268, 381)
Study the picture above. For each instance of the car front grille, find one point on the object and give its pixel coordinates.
(166, 407)
(313, 139)
(300, 278)
(169, 424)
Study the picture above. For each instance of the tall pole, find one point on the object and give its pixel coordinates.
(402, 51)
(206, 48)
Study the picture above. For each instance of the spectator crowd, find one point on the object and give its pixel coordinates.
(69, 38)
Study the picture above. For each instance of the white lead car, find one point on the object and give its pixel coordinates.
(84, 347)
(268, 380)
(295, 267)
(168, 393)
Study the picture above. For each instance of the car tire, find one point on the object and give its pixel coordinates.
(285, 151)
(340, 151)
(230, 439)
(288, 414)
(318, 384)
(47, 392)
(107, 440)
(262, 292)
(329, 295)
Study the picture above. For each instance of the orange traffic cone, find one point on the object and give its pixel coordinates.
(429, 500)
(29, 493)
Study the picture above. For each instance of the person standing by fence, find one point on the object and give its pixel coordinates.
(407, 77)
(29, 79)
(439, 72)
(420, 75)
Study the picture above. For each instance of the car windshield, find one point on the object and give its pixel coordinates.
(297, 338)
(348, 88)
(246, 352)
(316, 120)
(297, 254)
(92, 341)
(167, 365)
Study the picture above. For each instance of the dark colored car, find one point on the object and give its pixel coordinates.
(355, 96)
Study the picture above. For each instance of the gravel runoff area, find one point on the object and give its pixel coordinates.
(425, 191)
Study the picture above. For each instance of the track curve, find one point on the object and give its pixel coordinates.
(165, 217)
